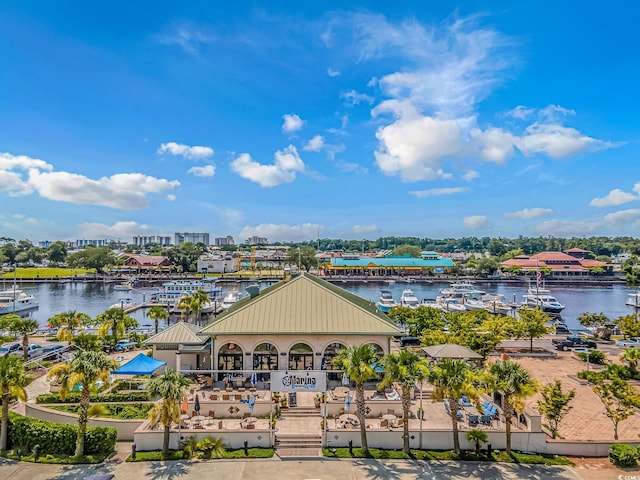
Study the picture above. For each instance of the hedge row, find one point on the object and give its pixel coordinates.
(140, 396)
(624, 455)
(57, 438)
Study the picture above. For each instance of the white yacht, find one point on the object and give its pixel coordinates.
(408, 299)
(542, 298)
(450, 304)
(172, 291)
(633, 300)
(459, 289)
(230, 298)
(16, 300)
(124, 304)
(386, 301)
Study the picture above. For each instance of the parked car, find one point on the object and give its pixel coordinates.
(628, 343)
(9, 348)
(33, 350)
(50, 351)
(573, 341)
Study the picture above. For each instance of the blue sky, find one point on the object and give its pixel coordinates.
(290, 120)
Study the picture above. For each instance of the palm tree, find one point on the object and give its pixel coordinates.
(86, 368)
(356, 361)
(116, 322)
(631, 356)
(514, 383)
(199, 299)
(477, 437)
(67, 322)
(13, 381)
(19, 327)
(170, 387)
(157, 313)
(453, 378)
(185, 306)
(405, 367)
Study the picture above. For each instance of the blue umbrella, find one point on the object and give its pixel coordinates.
(345, 379)
(347, 402)
(252, 402)
(196, 407)
(229, 378)
(254, 379)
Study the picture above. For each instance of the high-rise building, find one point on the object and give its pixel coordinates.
(182, 237)
(255, 240)
(222, 241)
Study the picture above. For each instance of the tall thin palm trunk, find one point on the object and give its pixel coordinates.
(361, 417)
(453, 408)
(83, 418)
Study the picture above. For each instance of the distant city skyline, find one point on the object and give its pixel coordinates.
(292, 121)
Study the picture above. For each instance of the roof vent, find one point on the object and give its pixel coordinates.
(253, 290)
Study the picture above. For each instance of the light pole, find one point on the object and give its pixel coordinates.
(421, 415)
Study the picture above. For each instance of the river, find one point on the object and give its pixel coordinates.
(96, 298)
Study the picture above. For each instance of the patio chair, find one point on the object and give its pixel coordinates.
(251, 426)
(384, 423)
(220, 425)
(212, 414)
(247, 415)
(238, 397)
(485, 419)
(225, 397)
(194, 413)
(473, 419)
(400, 422)
(213, 397)
(198, 427)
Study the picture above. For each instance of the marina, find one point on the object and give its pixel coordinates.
(95, 298)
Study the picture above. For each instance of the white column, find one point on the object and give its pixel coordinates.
(178, 362)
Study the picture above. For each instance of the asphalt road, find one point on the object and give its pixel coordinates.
(298, 469)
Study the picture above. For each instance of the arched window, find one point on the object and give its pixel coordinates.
(329, 354)
(265, 357)
(301, 357)
(230, 357)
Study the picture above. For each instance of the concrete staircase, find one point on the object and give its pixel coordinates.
(300, 445)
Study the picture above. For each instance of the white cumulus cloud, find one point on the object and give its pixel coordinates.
(118, 231)
(128, 191)
(529, 213)
(362, 229)
(566, 228)
(189, 152)
(282, 232)
(206, 171)
(355, 98)
(434, 192)
(476, 222)
(292, 123)
(613, 198)
(283, 170)
(315, 144)
(333, 73)
(623, 216)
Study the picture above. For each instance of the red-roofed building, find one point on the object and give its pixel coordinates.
(561, 264)
(146, 261)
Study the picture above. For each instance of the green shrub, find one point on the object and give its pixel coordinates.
(595, 356)
(623, 455)
(140, 396)
(57, 438)
(139, 411)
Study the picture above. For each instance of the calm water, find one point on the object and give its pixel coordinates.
(95, 299)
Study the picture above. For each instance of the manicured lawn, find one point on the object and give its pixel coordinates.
(449, 455)
(114, 410)
(180, 454)
(46, 272)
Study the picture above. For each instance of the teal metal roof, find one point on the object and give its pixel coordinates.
(390, 262)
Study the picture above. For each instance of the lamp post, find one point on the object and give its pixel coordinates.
(421, 414)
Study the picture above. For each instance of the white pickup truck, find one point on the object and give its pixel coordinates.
(628, 343)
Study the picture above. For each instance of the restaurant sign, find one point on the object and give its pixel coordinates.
(298, 381)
